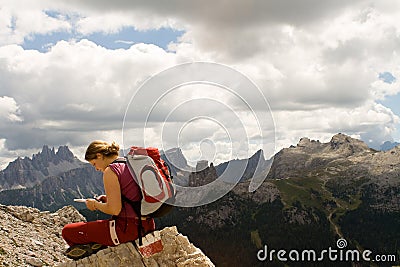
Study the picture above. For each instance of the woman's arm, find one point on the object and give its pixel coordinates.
(113, 192)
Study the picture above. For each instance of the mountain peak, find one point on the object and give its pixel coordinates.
(311, 154)
(343, 142)
(63, 153)
(175, 158)
(47, 152)
(304, 141)
(344, 138)
(388, 145)
(49, 155)
(259, 153)
(339, 143)
(26, 172)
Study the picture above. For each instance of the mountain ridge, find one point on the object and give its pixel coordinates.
(335, 189)
(31, 174)
(388, 145)
(338, 189)
(27, 172)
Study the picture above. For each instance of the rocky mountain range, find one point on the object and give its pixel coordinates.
(49, 180)
(388, 145)
(27, 172)
(338, 189)
(314, 194)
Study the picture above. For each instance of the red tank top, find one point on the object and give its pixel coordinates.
(129, 188)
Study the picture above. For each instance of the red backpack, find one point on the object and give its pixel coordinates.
(154, 178)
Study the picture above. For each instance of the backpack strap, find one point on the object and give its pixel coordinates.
(119, 160)
(136, 205)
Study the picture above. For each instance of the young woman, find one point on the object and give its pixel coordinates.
(85, 238)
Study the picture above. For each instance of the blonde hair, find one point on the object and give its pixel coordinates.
(101, 147)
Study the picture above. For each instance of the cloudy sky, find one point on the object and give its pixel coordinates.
(70, 69)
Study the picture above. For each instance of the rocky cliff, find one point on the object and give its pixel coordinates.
(175, 158)
(205, 175)
(178, 165)
(246, 167)
(29, 237)
(177, 251)
(346, 167)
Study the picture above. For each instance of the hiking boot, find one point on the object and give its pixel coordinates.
(77, 252)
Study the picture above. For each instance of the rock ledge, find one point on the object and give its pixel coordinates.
(178, 251)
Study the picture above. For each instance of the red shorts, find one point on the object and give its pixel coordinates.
(99, 231)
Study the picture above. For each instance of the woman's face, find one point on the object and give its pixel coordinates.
(99, 163)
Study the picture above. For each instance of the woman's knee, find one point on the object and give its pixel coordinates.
(66, 234)
(72, 232)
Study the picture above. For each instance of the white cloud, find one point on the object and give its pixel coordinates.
(125, 42)
(73, 89)
(5, 155)
(9, 110)
(112, 22)
(23, 20)
(370, 121)
(318, 64)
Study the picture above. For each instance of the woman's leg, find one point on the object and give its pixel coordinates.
(87, 232)
(99, 231)
(128, 230)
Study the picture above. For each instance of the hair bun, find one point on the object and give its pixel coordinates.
(113, 148)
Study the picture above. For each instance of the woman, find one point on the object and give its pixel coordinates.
(85, 238)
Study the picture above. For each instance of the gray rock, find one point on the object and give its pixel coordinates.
(177, 251)
(29, 237)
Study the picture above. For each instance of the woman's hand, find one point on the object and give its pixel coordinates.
(91, 204)
(102, 198)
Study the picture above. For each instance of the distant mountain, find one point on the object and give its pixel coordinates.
(26, 172)
(55, 192)
(309, 155)
(178, 164)
(246, 168)
(388, 145)
(182, 171)
(203, 175)
(49, 181)
(315, 194)
(175, 158)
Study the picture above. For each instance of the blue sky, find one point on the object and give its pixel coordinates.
(123, 39)
(393, 102)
